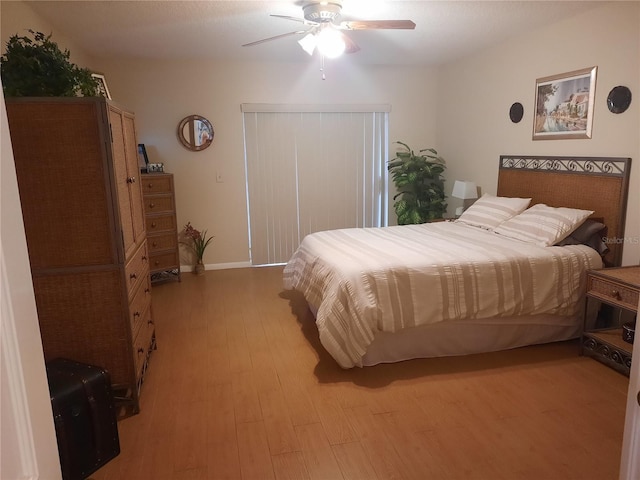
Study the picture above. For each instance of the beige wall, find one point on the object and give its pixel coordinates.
(162, 93)
(474, 97)
(17, 18)
(461, 109)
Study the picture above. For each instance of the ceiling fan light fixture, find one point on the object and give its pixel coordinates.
(322, 12)
(331, 43)
(325, 32)
(308, 43)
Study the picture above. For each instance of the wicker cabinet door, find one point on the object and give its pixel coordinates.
(123, 180)
(125, 162)
(60, 161)
(133, 170)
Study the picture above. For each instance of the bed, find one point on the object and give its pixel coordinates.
(382, 295)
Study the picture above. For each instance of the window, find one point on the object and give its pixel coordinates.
(312, 168)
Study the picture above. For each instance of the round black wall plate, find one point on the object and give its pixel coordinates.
(619, 99)
(515, 112)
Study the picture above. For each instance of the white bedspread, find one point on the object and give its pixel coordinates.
(365, 280)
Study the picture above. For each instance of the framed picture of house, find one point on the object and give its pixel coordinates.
(564, 105)
(102, 85)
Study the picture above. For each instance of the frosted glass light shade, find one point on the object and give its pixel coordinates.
(308, 43)
(330, 43)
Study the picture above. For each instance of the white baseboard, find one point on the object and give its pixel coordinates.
(216, 266)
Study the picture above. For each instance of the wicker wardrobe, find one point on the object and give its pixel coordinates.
(80, 191)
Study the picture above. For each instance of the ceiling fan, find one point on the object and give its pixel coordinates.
(325, 30)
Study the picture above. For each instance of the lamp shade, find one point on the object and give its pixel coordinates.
(464, 190)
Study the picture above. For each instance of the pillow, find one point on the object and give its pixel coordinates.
(588, 229)
(490, 211)
(590, 233)
(543, 225)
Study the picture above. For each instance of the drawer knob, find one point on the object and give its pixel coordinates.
(131, 180)
(154, 244)
(615, 294)
(151, 205)
(150, 185)
(153, 224)
(136, 314)
(140, 350)
(156, 263)
(144, 258)
(147, 290)
(150, 322)
(133, 276)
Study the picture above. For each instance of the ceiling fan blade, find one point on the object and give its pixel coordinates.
(282, 35)
(378, 25)
(350, 45)
(287, 17)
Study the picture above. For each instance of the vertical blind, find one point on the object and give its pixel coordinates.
(309, 169)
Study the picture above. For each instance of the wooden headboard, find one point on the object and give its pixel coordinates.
(600, 184)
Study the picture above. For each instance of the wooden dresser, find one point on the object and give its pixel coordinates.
(81, 197)
(162, 230)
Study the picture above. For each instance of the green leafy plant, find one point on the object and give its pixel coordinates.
(197, 241)
(418, 180)
(38, 68)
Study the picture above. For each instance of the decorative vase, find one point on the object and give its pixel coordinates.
(198, 269)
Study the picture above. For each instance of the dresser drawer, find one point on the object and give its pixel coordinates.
(137, 268)
(158, 204)
(156, 184)
(614, 293)
(161, 223)
(142, 342)
(140, 304)
(166, 241)
(164, 261)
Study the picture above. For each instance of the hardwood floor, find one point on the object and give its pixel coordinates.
(240, 388)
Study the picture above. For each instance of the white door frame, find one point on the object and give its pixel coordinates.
(630, 461)
(28, 437)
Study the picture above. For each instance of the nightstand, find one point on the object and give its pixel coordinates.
(619, 288)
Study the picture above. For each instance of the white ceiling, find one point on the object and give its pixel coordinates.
(215, 30)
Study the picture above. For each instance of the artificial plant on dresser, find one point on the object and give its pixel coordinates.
(80, 191)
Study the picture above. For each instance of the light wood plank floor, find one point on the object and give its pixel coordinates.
(240, 388)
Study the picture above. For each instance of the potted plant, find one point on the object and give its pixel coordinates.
(38, 68)
(418, 180)
(198, 242)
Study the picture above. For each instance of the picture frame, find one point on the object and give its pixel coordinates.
(143, 159)
(155, 168)
(102, 85)
(564, 105)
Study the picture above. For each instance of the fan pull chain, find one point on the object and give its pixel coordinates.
(322, 67)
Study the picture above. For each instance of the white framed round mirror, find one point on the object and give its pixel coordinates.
(195, 133)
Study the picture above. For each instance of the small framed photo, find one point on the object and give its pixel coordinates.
(155, 168)
(102, 85)
(143, 159)
(564, 105)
